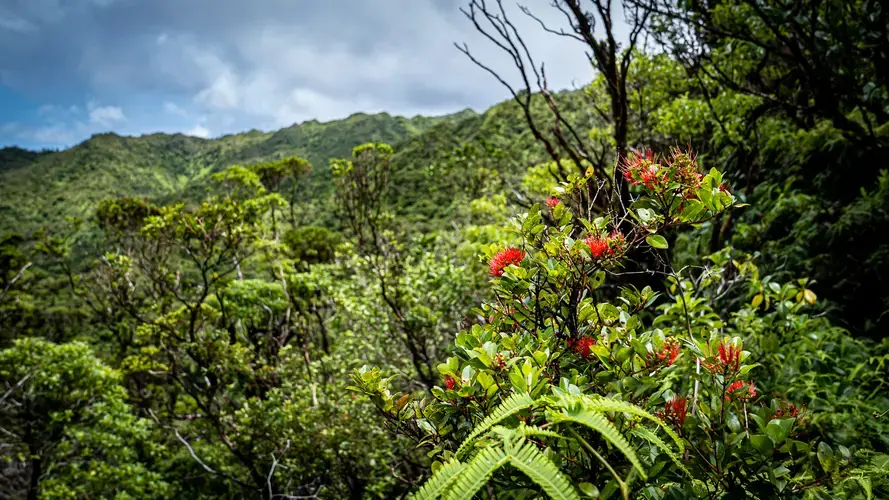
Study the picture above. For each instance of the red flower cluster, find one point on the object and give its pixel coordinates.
(552, 201)
(450, 383)
(645, 169)
(727, 361)
(582, 346)
(667, 355)
(740, 390)
(685, 168)
(675, 410)
(598, 246)
(505, 258)
(609, 245)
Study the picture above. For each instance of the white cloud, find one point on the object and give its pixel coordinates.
(265, 64)
(106, 116)
(223, 93)
(64, 125)
(55, 134)
(199, 131)
(173, 109)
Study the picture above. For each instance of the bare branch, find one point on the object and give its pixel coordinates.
(15, 278)
(193, 454)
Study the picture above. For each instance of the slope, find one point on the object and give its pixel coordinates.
(44, 188)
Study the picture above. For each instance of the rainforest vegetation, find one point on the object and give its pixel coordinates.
(670, 283)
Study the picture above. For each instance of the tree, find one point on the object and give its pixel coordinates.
(561, 139)
(68, 429)
(273, 175)
(362, 185)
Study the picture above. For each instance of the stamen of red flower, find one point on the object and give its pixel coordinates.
(598, 246)
(505, 258)
(675, 410)
(727, 359)
(582, 346)
(740, 390)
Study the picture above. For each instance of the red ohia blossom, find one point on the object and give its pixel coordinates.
(505, 258)
(450, 383)
(669, 352)
(582, 346)
(643, 169)
(740, 390)
(675, 410)
(552, 201)
(727, 359)
(598, 246)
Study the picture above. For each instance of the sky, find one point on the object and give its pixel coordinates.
(73, 68)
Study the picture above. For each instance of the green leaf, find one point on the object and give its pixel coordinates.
(604, 404)
(598, 279)
(589, 490)
(762, 443)
(778, 429)
(652, 438)
(596, 421)
(825, 456)
(438, 484)
(477, 472)
(542, 471)
(608, 312)
(657, 241)
(515, 403)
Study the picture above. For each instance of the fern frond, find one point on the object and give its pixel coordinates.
(438, 484)
(513, 404)
(652, 438)
(594, 420)
(534, 464)
(477, 472)
(603, 404)
(524, 430)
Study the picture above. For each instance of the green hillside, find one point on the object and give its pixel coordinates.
(44, 188)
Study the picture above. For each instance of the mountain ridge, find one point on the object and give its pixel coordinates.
(44, 188)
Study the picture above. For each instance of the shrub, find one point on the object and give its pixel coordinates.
(566, 387)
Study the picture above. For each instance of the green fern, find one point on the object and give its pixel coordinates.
(602, 404)
(435, 486)
(652, 438)
(542, 471)
(580, 414)
(524, 430)
(513, 404)
(477, 472)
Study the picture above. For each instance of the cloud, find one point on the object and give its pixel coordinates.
(64, 125)
(53, 134)
(199, 131)
(267, 64)
(172, 108)
(106, 116)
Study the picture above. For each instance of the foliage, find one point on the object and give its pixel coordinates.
(69, 429)
(584, 387)
(528, 307)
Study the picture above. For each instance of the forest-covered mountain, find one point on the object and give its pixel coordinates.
(44, 188)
